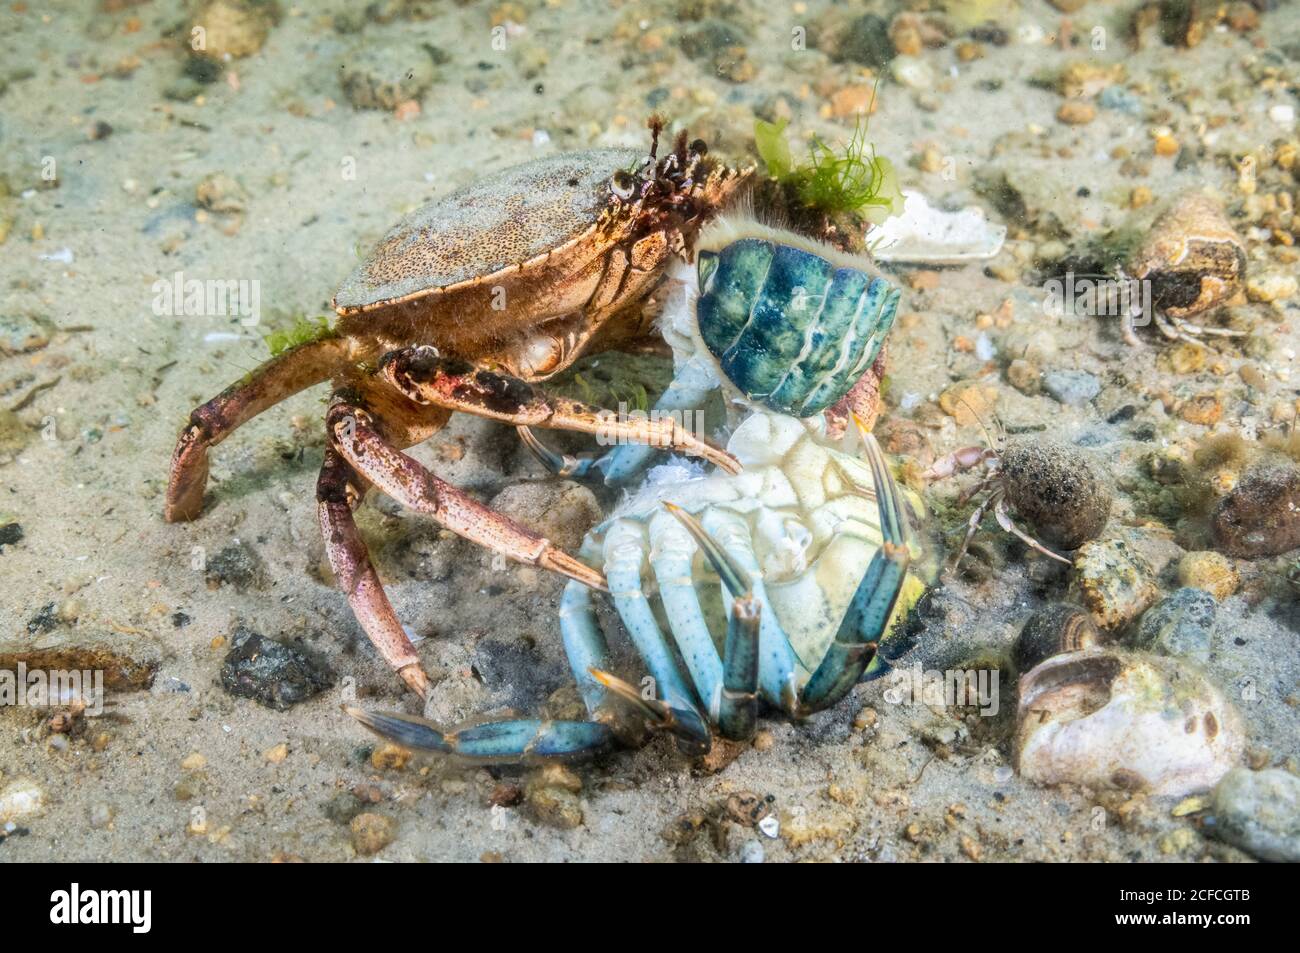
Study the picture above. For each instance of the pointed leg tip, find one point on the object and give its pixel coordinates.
(557, 560)
(728, 463)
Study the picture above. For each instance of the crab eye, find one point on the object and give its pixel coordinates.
(622, 184)
(707, 267)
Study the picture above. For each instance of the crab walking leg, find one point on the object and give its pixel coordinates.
(427, 378)
(671, 552)
(526, 740)
(296, 369)
(352, 431)
(688, 391)
(1005, 521)
(776, 660)
(738, 706)
(337, 491)
(738, 719)
(530, 739)
(625, 546)
(873, 603)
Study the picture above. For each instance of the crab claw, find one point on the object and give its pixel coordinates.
(684, 721)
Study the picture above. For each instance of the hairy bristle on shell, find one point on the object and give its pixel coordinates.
(742, 223)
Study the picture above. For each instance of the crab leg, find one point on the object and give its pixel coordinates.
(1005, 521)
(672, 700)
(688, 391)
(337, 491)
(671, 553)
(283, 376)
(973, 525)
(525, 740)
(530, 740)
(873, 603)
(353, 433)
(426, 378)
(738, 717)
(738, 705)
(777, 662)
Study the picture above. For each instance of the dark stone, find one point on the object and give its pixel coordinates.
(344, 806)
(10, 533)
(709, 38)
(867, 42)
(520, 667)
(1259, 517)
(43, 621)
(272, 673)
(236, 565)
(990, 33)
(203, 70)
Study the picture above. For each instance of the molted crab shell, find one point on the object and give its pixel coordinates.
(792, 324)
(801, 517)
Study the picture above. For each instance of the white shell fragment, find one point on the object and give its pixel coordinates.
(925, 234)
(1106, 718)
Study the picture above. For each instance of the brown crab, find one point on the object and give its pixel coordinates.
(461, 304)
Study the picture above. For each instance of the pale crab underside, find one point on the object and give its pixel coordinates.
(783, 582)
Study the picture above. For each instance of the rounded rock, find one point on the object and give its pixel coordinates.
(1209, 571)
(1180, 625)
(1259, 811)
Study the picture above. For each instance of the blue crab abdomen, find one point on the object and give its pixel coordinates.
(789, 328)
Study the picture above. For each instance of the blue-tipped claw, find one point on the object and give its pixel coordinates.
(869, 612)
(490, 742)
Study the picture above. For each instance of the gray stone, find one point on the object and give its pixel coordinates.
(1073, 388)
(1259, 811)
(1181, 625)
(236, 565)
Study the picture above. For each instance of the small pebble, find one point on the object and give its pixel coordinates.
(277, 753)
(20, 799)
(371, 833)
(1076, 112)
(1210, 571)
(1072, 388)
